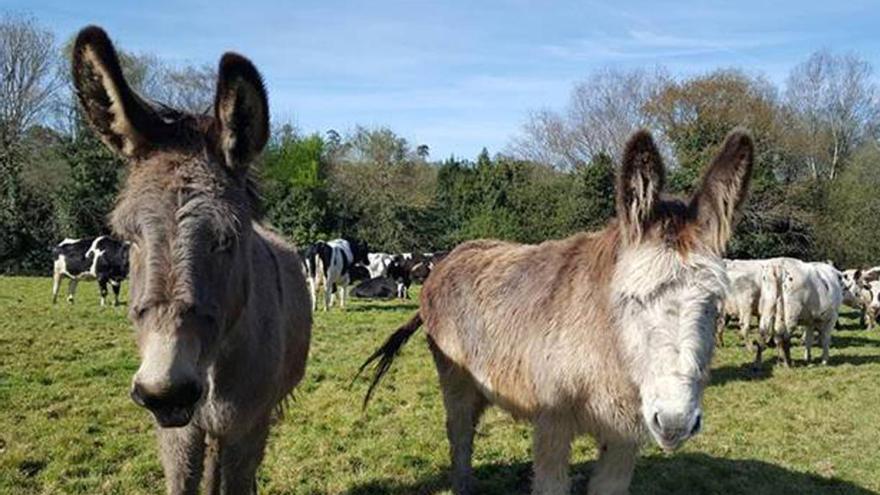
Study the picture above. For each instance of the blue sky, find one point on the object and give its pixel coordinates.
(460, 75)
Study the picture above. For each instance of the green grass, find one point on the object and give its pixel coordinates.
(68, 426)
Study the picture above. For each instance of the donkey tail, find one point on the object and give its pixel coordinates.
(387, 353)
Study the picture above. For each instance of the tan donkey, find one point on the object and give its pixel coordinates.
(607, 333)
(219, 303)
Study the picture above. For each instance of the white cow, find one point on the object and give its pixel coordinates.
(742, 296)
(811, 295)
(870, 294)
(852, 289)
(857, 293)
(379, 263)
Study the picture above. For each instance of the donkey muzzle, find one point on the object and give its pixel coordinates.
(171, 406)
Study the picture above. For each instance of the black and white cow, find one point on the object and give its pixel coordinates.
(331, 264)
(379, 263)
(408, 267)
(102, 258)
(376, 288)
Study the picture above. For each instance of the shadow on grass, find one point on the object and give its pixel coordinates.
(376, 305)
(854, 360)
(678, 474)
(853, 341)
(743, 372)
(853, 325)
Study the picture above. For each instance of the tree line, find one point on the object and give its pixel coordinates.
(814, 193)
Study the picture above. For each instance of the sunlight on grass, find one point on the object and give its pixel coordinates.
(68, 426)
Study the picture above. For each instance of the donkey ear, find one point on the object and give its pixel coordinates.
(723, 189)
(242, 111)
(121, 118)
(639, 183)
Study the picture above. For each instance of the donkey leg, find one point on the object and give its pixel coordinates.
(212, 465)
(551, 451)
(614, 469)
(464, 406)
(181, 451)
(239, 461)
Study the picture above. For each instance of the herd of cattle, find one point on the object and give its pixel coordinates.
(781, 293)
(331, 267)
(786, 292)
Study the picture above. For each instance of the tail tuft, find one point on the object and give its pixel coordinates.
(387, 353)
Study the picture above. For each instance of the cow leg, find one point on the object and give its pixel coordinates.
(328, 294)
(808, 343)
(826, 339)
(181, 451)
(614, 469)
(342, 288)
(758, 345)
(71, 290)
(117, 287)
(102, 284)
(783, 346)
(313, 291)
(551, 450)
(56, 286)
(464, 406)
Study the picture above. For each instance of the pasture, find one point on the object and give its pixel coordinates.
(67, 424)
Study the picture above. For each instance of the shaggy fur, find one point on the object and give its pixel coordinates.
(607, 333)
(219, 303)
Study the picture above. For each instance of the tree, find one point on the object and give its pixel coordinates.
(380, 146)
(28, 72)
(423, 151)
(594, 193)
(849, 231)
(601, 113)
(833, 99)
(29, 69)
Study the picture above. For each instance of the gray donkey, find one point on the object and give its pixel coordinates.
(219, 303)
(607, 333)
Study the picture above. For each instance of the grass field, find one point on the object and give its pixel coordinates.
(68, 426)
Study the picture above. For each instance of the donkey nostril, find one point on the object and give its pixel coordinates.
(656, 420)
(698, 424)
(137, 395)
(183, 395)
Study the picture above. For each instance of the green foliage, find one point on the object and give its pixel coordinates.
(850, 230)
(594, 193)
(295, 185)
(88, 197)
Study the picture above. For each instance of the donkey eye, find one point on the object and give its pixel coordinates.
(222, 245)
